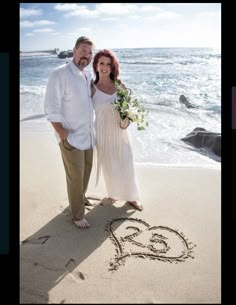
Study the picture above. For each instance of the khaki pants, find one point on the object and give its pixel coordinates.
(78, 165)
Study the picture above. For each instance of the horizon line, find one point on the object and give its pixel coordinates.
(195, 47)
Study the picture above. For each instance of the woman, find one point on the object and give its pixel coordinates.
(114, 151)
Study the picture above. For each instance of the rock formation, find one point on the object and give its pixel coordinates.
(201, 138)
(184, 100)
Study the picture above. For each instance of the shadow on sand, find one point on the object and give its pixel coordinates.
(59, 247)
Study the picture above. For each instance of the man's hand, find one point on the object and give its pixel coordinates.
(62, 132)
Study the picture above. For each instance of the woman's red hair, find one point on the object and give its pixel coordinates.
(115, 68)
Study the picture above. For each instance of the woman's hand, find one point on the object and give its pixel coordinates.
(124, 123)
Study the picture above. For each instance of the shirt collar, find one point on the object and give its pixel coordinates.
(74, 69)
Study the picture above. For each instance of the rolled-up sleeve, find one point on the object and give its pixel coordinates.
(53, 97)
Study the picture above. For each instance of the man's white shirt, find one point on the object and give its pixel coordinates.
(68, 101)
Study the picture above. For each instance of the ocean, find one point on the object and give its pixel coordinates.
(157, 76)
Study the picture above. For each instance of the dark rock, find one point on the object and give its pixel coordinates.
(184, 100)
(65, 54)
(201, 138)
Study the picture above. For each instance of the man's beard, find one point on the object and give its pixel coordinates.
(82, 61)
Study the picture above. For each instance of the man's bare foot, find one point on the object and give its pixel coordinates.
(112, 199)
(82, 224)
(136, 205)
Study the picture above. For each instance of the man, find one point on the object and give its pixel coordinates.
(68, 106)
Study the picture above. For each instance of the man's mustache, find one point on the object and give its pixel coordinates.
(83, 58)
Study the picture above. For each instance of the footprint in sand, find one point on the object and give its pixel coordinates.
(38, 241)
(71, 266)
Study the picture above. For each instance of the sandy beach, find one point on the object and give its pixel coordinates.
(168, 253)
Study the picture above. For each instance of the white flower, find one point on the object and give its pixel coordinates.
(129, 107)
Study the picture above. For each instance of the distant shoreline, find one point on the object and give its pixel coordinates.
(36, 53)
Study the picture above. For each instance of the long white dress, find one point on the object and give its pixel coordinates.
(114, 150)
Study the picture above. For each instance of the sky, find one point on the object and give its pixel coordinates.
(46, 26)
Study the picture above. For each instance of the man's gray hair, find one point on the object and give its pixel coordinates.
(84, 39)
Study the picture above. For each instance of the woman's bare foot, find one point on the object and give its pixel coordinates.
(112, 199)
(82, 223)
(137, 205)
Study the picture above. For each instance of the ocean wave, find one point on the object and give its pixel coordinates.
(33, 117)
(145, 63)
(35, 90)
(189, 62)
(213, 166)
(159, 76)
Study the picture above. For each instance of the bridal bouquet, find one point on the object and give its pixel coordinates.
(129, 108)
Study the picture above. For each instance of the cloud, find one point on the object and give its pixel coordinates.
(163, 16)
(112, 19)
(101, 10)
(25, 13)
(26, 24)
(75, 9)
(115, 9)
(44, 22)
(47, 30)
(29, 34)
(30, 24)
(85, 29)
(210, 14)
(149, 8)
(83, 12)
(120, 25)
(66, 7)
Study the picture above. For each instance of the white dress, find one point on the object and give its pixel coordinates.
(114, 150)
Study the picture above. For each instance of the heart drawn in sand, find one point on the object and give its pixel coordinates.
(134, 237)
